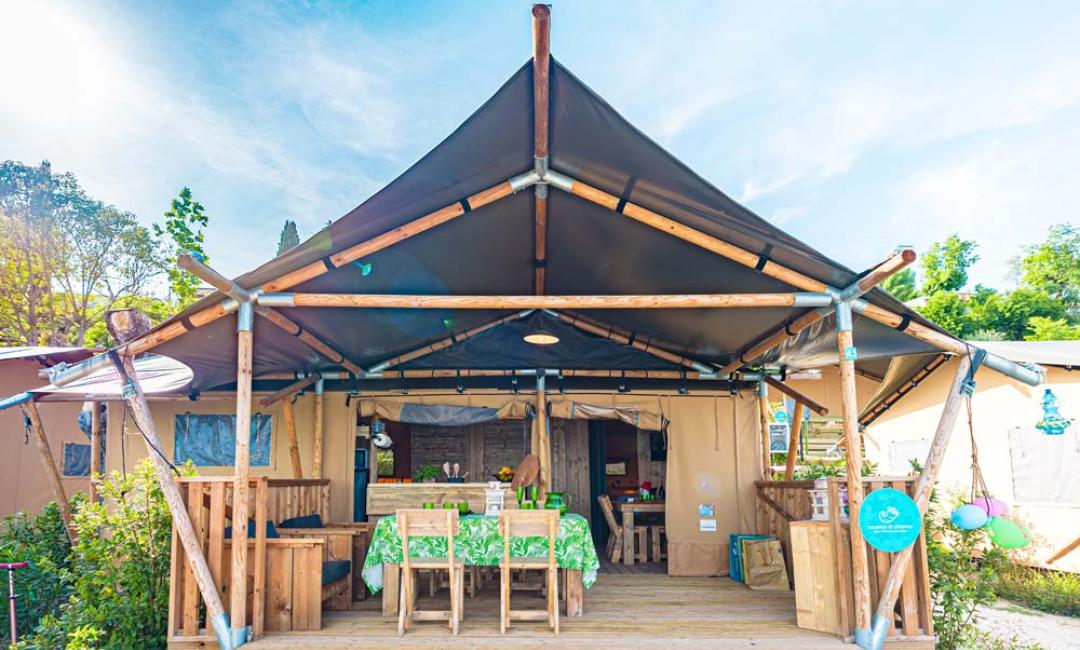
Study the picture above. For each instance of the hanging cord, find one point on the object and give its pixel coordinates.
(26, 425)
(150, 443)
(978, 483)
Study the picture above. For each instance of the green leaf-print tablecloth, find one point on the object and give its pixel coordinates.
(478, 544)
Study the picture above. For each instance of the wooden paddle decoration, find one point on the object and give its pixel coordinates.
(527, 472)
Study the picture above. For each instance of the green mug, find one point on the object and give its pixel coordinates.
(429, 505)
(449, 506)
(463, 507)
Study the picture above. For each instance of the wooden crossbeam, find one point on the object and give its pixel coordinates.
(636, 301)
(609, 332)
(799, 398)
(444, 343)
(289, 391)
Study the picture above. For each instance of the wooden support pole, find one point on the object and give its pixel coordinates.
(543, 438)
(883, 616)
(185, 531)
(289, 391)
(242, 472)
(312, 341)
(794, 439)
(317, 432)
(772, 340)
(52, 475)
(290, 431)
(763, 424)
(96, 446)
(860, 574)
(796, 395)
(541, 24)
(670, 301)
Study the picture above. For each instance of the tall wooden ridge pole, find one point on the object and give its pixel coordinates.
(883, 615)
(541, 28)
(49, 463)
(859, 571)
(542, 437)
(794, 440)
(318, 426)
(763, 425)
(238, 591)
(140, 412)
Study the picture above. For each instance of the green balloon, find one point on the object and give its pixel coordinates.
(1007, 534)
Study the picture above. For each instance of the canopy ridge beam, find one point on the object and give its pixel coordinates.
(243, 296)
(62, 374)
(604, 330)
(635, 301)
(541, 27)
(893, 264)
(290, 390)
(789, 276)
(453, 339)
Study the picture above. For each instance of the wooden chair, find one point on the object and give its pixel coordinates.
(442, 523)
(659, 542)
(615, 539)
(529, 523)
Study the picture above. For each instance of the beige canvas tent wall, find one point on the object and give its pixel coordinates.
(712, 458)
(23, 485)
(1017, 460)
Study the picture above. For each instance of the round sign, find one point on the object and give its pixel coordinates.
(889, 520)
(780, 416)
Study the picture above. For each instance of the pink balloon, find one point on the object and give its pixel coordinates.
(993, 507)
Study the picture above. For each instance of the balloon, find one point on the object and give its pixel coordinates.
(991, 506)
(1007, 534)
(969, 517)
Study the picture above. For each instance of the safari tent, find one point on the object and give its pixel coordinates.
(668, 309)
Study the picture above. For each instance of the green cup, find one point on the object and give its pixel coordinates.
(429, 505)
(463, 507)
(449, 506)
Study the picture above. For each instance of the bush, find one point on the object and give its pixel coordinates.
(1047, 591)
(42, 541)
(118, 573)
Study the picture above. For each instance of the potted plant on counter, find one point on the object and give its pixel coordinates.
(427, 474)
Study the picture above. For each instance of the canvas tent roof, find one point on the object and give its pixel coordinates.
(489, 250)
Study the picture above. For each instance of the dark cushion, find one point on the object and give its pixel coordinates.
(271, 532)
(307, 521)
(335, 570)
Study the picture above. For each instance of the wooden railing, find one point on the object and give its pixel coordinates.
(285, 602)
(781, 502)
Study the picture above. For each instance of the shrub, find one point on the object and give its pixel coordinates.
(42, 541)
(1047, 591)
(118, 571)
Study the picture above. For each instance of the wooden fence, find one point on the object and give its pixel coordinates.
(284, 575)
(781, 502)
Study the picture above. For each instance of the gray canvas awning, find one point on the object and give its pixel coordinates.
(489, 250)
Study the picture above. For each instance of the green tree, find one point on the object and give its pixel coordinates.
(1053, 266)
(902, 285)
(945, 266)
(1041, 328)
(1010, 313)
(948, 309)
(185, 223)
(289, 238)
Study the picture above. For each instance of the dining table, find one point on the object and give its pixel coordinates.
(628, 510)
(479, 544)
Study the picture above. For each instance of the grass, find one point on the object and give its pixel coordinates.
(1055, 592)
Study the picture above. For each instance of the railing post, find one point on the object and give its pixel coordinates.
(317, 426)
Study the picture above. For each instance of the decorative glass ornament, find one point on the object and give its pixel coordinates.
(991, 506)
(1006, 533)
(1052, 422)
(969, 517)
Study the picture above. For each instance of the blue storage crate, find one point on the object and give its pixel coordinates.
(735, 553)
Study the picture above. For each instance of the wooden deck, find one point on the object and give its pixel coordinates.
(622, 610)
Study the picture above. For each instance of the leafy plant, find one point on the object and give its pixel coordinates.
(118, 571)
(42, 541)
(427, 472)
(1055, 592)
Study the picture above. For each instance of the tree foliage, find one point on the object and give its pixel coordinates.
(902, 285)
(1053, 266)
(289, 237)
(945, 266)
(65, 258)
(185, 225)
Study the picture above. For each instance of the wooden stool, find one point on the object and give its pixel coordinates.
(529, 523)
(615, 541)
(659, 552)
(429, 523)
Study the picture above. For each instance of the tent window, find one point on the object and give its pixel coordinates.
(210, 440)
(385, 458)
(76, 459)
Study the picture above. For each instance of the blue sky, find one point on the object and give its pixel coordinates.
(854, 126)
